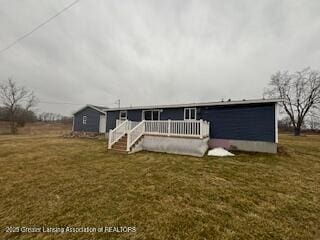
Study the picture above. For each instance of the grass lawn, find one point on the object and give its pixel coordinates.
(57, 182)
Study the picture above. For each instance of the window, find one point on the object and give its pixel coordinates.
(155, 115)
(84, 120)
(147, 115)
(151, 115)
(123, 115)
(190, 114)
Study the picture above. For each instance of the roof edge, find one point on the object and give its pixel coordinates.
(220, 103)
(90, 106)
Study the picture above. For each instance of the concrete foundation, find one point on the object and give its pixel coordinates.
(243, 145)
(177, 145)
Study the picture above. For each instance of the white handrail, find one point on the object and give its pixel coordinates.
(118, 122)
(187, 128)
(131, 125)
(117, 133)
(135, 134)
(183, 128)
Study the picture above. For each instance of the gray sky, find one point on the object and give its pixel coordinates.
(155, 52)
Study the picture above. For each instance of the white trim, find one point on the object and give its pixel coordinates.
(152, 110)
(84, 119)
(106, 133)
(238, 102)
(276, 115)
(90, 106)
(102, 124)
(123, 111)
(195, 129)
(195, 113)
(117, 133)
(72, 123)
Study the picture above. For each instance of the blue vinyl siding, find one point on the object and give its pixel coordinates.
(136, 115)
(112, 116)
(93, 119)
(254, 122)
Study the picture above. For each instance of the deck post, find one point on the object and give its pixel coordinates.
(129, 126)
(201, 128)
(169, 127)
(144, 127)
(128, 140)
(109, 141)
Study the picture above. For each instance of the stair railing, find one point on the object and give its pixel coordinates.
(135, 134)
(189, 128)
(117, 133)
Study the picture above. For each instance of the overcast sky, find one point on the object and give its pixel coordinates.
(155, 52)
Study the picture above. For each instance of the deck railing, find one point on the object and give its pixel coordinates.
(122, 127)
(117, 133)
(131, 125)
(188, 128)
(135, 134)
(183, 128)
(118, 122)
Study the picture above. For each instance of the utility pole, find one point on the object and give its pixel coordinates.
(118, 102)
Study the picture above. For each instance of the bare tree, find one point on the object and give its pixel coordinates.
(300, 93)
(15, 98)
(51, 117)
(313, 120)
(284, 124)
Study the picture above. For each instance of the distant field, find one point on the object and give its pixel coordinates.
(57, 182)
(38, 128)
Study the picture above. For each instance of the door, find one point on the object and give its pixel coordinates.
(102, 124)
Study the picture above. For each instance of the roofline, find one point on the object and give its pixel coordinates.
(90, 106)
(203, 104)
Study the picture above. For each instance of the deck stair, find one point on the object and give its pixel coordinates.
(128, 135)
(121, 144)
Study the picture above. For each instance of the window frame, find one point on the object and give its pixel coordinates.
(122, 118)
(84, 120)
(152, 112)
(188, 118)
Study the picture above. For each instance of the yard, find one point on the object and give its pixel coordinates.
(52, 181)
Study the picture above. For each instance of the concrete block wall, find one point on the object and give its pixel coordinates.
(243, 145)
(177, 145)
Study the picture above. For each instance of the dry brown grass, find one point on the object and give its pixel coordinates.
(52, 181)
(4, 127)
(37, 128)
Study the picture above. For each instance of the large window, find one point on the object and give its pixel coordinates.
(123, 115)
(151, 115)
(84, 120)
(190, 114)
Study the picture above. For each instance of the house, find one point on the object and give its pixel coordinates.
(90, 118)
(248, 125)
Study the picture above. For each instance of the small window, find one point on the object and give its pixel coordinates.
(123, 115)
(151, 115)
(84, 120)
(190, 114)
